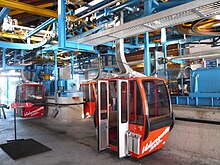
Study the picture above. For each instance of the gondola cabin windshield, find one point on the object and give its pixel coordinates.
(157, 98)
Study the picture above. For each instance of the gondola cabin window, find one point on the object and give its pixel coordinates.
(103, 99)
(135, 104)
(124, 102)
(157, 98)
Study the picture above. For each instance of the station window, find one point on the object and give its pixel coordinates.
(135, 104)
(157, 98)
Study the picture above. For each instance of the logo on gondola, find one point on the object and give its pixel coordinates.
(32, 113)
(149, 147)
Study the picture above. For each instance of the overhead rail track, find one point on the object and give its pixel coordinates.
(191, 11)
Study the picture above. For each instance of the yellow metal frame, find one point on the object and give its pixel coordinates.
(31, 9)
(19, 36)
(40, 6)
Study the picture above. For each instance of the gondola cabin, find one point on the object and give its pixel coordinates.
(30, 100)
(134, 115)
(89, 97)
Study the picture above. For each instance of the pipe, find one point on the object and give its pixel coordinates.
(96, 10)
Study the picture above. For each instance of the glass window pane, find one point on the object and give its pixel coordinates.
(103, 96)
(124, 102)
(33, 92)
(135, 104)
(103, 99)
(88, 93)
(92, 94)
(113, 96)
(157, 98)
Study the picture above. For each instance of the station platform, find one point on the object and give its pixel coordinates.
(76, 143)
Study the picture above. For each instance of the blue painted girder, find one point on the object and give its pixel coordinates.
(41, 27)
(70, 46)
(20, 46)
(62, 23)
(4, 12)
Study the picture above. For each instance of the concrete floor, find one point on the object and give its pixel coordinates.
(76, 143)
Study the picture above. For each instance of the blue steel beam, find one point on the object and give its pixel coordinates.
(10, 45)
(62, 23)
(3, 58)
(72, 64)
(4, 12)
(147, 65)
(168, 42)
(15, 55)
(4, 65)
(123, 5)
(13, 67)
(55, 73)
(41, 27)
(70, 46)
(37, 72)
(101, 27)
(164, 48)
(115, 9)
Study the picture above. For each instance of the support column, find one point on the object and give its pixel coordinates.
(72, 64)
(62, 23)
(3, 13)
(55, 72)
(147, 65)
(3, 58)
(164, 49)
(7, 90)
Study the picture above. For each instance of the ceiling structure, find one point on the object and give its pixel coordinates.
(32, 32)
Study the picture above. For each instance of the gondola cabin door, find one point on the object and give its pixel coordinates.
(89, 97)
(103, 115)
(113, 115)
(123, 125)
